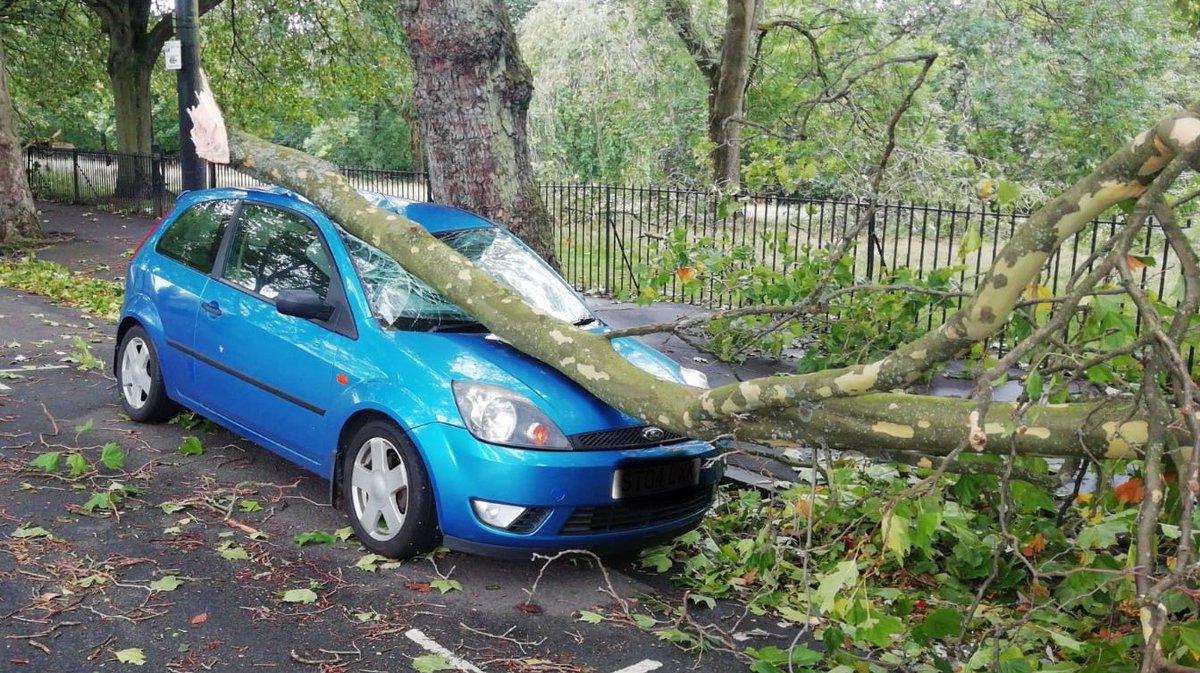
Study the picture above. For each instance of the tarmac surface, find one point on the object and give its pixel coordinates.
(189, 562)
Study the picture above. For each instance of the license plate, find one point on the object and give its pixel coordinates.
(633, 482)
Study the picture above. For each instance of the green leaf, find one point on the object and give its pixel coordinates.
(644, 621)
(590, 617)
(47, 461)
(232, 552)
(77, 463)
(896, 534)
(314, 537)
(1030, 498)
(1007, 192)
(431, 663)
(93, 580)
(299, 596)
(132, 655)
(191, 447)
(25, 532)
(773, 659)
(370, 562)
(942, 623)
(172, 506)
(86, 426)
(1104, 534)
(111, 456)
(99, 500)
(1189, 635)
(343, 534)
(1033, 386)
(971, 241)
(247, 506)
(166, 583)
(845, 574)
(657, 558)
(878, 630)
(445, 585)
(1064, 641)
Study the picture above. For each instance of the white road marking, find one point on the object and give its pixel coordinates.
(32, 368)
(643, 666)
(4, 388)
(428, 643)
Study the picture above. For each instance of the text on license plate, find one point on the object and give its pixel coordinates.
(632, 482)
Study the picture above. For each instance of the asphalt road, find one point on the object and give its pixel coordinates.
(79, 585)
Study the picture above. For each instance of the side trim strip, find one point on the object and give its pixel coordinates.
(247, 378)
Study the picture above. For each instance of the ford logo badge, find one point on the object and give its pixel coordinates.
(653, 434)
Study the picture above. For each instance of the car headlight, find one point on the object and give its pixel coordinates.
(694, 377)
(498, 415)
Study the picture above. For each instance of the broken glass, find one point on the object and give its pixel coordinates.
(402, 301)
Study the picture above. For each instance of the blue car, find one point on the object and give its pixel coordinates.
(254, 309)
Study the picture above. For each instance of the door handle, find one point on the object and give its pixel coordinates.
(211, 308)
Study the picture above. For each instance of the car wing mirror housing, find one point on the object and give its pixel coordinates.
(303, 304)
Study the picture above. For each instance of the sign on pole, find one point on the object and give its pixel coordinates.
(173, 54)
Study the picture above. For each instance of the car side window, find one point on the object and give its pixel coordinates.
(274, 250)
(195, 236)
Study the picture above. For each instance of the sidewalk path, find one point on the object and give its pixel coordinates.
(96, 242)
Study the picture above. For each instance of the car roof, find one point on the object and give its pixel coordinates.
(435, 217)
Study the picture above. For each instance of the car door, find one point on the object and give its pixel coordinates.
(271, 373)
(187, 251)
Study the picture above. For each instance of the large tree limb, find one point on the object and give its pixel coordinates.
(812, 409)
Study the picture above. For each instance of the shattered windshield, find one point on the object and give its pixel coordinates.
(400, 300)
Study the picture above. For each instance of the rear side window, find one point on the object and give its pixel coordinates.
(195, 236)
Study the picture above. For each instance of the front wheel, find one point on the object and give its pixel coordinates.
(387, 492)
(143, 395)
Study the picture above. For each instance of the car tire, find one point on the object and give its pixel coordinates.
(139, 378)
(386, 492)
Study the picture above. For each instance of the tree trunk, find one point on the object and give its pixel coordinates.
(471, 94)
(727, 98)
(130, 78)
(726, 78)
(18, 217)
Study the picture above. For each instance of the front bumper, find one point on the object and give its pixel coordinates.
(568, 493)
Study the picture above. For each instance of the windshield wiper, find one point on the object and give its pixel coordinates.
(458, 326)
(435, 324)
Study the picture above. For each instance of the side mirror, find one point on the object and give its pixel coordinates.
(302, 304)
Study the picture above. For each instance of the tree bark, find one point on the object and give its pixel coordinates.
(471, 95)
(130, 79)
(726, 77)
(727, 102)
(18, 216)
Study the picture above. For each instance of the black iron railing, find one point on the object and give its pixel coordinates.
(605, 233)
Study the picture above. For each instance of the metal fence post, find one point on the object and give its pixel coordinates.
(158, 179)
(75, 174)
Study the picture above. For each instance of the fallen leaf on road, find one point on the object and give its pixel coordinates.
(200, 619)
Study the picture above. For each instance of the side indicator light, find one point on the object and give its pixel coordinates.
(343, 379)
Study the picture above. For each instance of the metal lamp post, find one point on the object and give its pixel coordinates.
(186, 84)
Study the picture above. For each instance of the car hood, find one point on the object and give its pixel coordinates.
(485, 358)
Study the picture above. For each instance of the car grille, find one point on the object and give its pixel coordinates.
(527, 522)
(625, 516)
(622, 438)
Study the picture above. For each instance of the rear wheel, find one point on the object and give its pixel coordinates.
(387, 493)
(143, 395)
